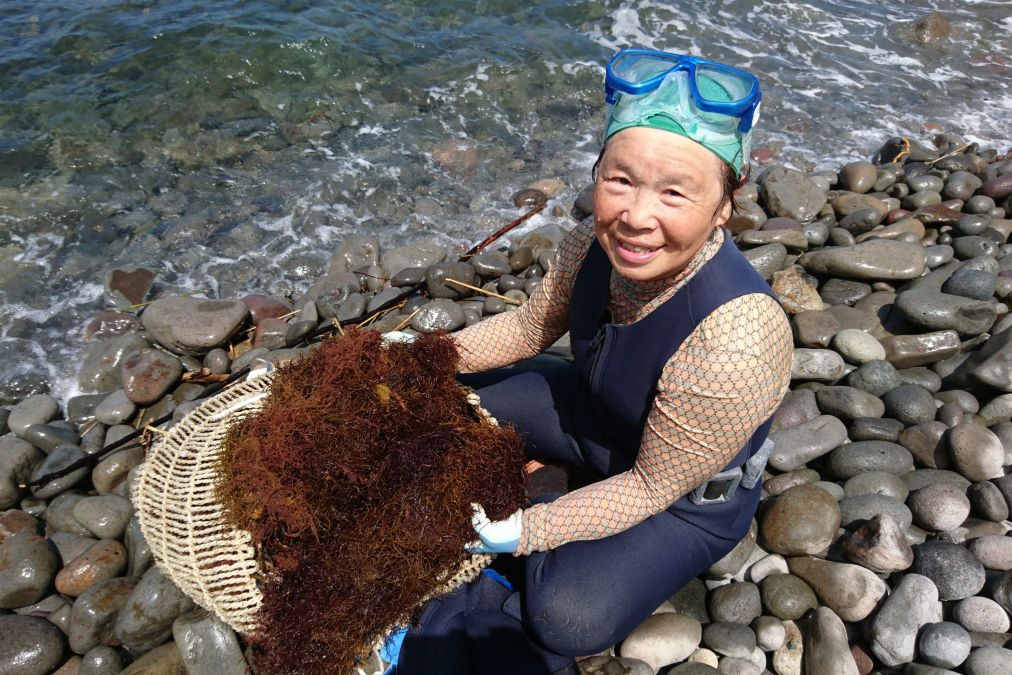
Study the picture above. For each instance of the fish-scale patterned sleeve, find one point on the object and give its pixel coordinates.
(535, 325)
(725, 381)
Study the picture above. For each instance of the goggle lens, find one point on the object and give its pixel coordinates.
(639, 68)
(718, 85)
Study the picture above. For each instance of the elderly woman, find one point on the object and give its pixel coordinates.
(682, 354)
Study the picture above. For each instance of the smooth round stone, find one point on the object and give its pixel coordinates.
(856, 510)
(62, 457)
(988, 661)
(919, 478)
(993, 551)
(691, 668)
(843, 291)
(18, 461)
(440, 314)
(971, 283)
(729, 639)
(439, 280)
(851, 591)
(876, 482)
(860, 221)
(60, 514)
(94, 612)
(875, 429)
(762, 568)
(105, 516)
(950, 414)
(796, 408)
(48, 437)
(737, 602)
(981, 614)
(893, 631)
(976, 452)
(927, 443)
(937, 255)
(779, 484)
(822, 365)
(815, 329)
(595, 665)
(103, 660)
(852, 459)
(848, 403)
(966, 248)
(910, 404)
(145, 621)
(28, 564)
(875, 377)
(802, 520)
(979, 204)
(115, 408)
(943, 644)
(663, 639)
(104, 560)
(490, 263)
(961, 185)
(113, 469)
(30, 645)
(964, 400)
(786, 596)
(857, 346)
(794, 447)
(37, 409)
(955, 571)
(187, 325)
(138, 552)
(769, 633)
(207, 645)
(997, 411)
(939, 507)
(987, 501)
(858, 176)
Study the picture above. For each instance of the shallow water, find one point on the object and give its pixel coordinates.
(230, 145)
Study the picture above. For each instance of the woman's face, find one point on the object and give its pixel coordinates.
(657, 197)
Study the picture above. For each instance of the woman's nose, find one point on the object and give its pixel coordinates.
(639, 213)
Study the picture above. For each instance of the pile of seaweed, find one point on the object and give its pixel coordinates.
(356, 480)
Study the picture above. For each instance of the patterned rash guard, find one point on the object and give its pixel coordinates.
(728, 377)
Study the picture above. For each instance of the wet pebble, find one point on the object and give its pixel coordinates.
(28, 564)
(62, 457)
(94, 613)
(115, 408)
(37, 409)
(101, 660)
(439, 314)
(47, 437)
(207, 645)
(104, 560)
(30, 645)
(145, 620)
(104, 516)
(194, 326)
(18, 461)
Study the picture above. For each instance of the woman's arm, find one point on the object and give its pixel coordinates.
(727, 379)
(538, 323)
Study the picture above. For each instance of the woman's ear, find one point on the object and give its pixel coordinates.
(723, 214)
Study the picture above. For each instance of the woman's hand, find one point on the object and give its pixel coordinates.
(500, 536)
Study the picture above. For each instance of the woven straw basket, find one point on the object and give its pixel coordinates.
(185, 526)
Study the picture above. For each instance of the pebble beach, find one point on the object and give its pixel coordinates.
(881, 544)
(185, 191)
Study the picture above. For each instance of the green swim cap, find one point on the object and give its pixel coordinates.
(670, 108)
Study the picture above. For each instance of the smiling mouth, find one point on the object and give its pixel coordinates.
(641, 250)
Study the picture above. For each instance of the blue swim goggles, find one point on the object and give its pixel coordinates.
(721, 98)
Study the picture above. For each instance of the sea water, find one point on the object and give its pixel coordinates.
(229, 146)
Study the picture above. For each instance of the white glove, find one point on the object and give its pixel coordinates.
(500, 536)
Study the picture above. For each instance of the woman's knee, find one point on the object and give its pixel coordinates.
(571, 622)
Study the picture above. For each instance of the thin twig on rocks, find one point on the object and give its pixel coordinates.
(482, 290)
(123, 310)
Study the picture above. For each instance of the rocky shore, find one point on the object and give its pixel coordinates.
(881, 545)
